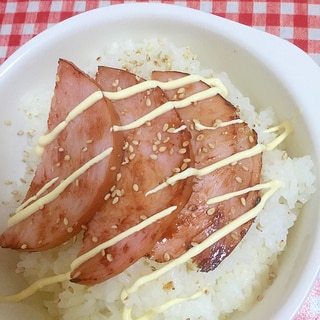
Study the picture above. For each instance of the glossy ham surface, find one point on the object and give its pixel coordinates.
(83, 138)
(151, 154)
(197, 220)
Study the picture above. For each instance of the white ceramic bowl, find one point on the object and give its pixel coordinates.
(269, 70)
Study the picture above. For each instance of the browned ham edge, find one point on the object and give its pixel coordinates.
(151, 153)
(85, 137)
(197, 219)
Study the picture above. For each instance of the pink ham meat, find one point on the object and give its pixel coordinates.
(84, 138)
(197, 219)
(151, 153)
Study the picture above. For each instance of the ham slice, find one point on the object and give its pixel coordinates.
(83, 138)
(151, 153)
(197, 220)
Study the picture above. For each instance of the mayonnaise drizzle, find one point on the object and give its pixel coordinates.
(216, 84)
(126, 315)
(39, 193)
(82, 106)
(36, 205)
(198, 126)
(258, 148)
(213, 238)
(90, 254)
(167, 106)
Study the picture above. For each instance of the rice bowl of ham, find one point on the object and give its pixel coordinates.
(185, 40)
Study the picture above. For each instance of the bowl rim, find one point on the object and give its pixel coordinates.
(306, 67)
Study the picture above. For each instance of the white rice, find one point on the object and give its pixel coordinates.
(240, 280)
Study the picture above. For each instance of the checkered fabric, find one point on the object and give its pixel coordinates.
(297, 21)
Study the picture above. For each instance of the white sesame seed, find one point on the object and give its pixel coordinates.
(135, 187)
(67, 157)
(94, 239)
(238, 179)
(115, 200)
(153, 156)
(243, 201)
(109, 257)
(211, 211)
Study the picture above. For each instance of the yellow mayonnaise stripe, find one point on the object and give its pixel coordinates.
(230, 195)
(258, 148)
(83, 258)
(39, 193)
(82, 106)
(203, 95)
(90, 254)
(169, 85)
(213, 238)
(189, 172)
(39, 284)
(33, 207)
(126, 315)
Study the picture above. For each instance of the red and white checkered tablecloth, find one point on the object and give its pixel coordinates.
(297, 21)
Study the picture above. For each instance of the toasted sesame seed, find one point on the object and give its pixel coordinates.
(148, 123)
(23, 246)
(60, 149)
(31, 132)
(186, 160)
(89, 141)
(171, 151)
(245, 168)
(23, 180)
(135, 187)
(165, 127)
(259, 227)
(84, 149)
(148, 102)
(238, 179)
(204, 150)
(162, 149)
(235, 236)
(200, 137)
(67, 157)
(182, 150)
(211, 211)
(166, 256)
(94, 239)
(65, 221)
(154, 147)
(181, 90)
(115, 200)
(159, 136)
(109, 257)
(70, 229)
(135, 142)
(132, 156)
(185, 143)
(118, 176)
(115, 83)
(131, 149)
(211, 145)
(103, 253)
(153, 156)
(251, 139)
(167, 139)
(143, 217)
(184, 166)
(107, 196)
(176, 170)
(243, 201)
